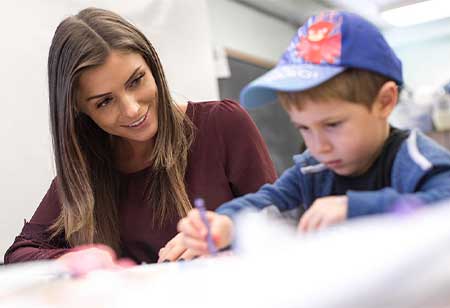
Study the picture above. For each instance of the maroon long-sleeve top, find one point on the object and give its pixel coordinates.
(227, 159)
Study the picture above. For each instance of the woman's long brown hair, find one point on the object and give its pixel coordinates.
(88, 182)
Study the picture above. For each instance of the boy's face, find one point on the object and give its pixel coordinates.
(345, 136)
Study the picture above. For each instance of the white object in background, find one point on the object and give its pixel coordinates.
(441, 112)
(221, 62)
(417, 13)
(413, 111)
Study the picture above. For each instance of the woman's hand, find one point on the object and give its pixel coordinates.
(175, 250)
(86, 258)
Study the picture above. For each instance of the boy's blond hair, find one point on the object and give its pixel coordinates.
(353, 85)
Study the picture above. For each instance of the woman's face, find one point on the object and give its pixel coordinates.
(120, 96)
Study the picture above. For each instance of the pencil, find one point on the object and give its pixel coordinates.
(200, 205)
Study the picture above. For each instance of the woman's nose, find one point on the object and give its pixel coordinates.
(129, 106)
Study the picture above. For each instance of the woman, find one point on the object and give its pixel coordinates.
(129, 160)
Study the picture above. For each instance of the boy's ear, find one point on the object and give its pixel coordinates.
(386, 99)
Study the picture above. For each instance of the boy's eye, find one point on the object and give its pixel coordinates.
(136, 81)
(104, 102)
(302, 128)
(333, 124)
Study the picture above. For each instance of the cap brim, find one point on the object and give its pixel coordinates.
(286, 78)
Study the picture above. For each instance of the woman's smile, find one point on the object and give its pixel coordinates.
(139, 123)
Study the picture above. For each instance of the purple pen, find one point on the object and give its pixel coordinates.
(200, 205)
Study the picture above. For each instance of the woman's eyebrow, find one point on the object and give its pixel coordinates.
(126, 82)
(97, 96)
(132, 75)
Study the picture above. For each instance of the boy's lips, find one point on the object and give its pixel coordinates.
(333, 163)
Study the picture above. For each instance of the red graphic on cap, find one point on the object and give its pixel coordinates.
(319, 45)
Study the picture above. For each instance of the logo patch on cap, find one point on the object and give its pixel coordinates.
(318, 41)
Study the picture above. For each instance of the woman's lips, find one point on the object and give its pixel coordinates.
(137, 123)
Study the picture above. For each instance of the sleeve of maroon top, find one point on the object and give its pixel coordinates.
(247, 161)
(34, 242)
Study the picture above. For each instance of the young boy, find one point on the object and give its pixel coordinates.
(338, 80)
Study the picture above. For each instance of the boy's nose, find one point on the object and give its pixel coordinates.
(321, 144)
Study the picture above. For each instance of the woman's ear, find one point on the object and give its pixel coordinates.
(76, 109)
(386, 99)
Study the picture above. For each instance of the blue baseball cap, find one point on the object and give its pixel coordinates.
(326, 45)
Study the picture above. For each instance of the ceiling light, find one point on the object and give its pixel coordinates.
(417, 13)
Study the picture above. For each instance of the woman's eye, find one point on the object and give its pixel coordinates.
(136, 81)
(104, 102)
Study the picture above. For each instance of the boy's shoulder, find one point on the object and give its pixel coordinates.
(417, 156)
(422, 151)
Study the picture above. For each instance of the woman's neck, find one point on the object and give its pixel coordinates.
(132, 156)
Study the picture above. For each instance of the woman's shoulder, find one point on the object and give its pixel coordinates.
(216, 106)
(222, 110)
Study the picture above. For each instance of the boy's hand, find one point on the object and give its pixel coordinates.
(175, 250)
(324, 212)
(194, 231)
